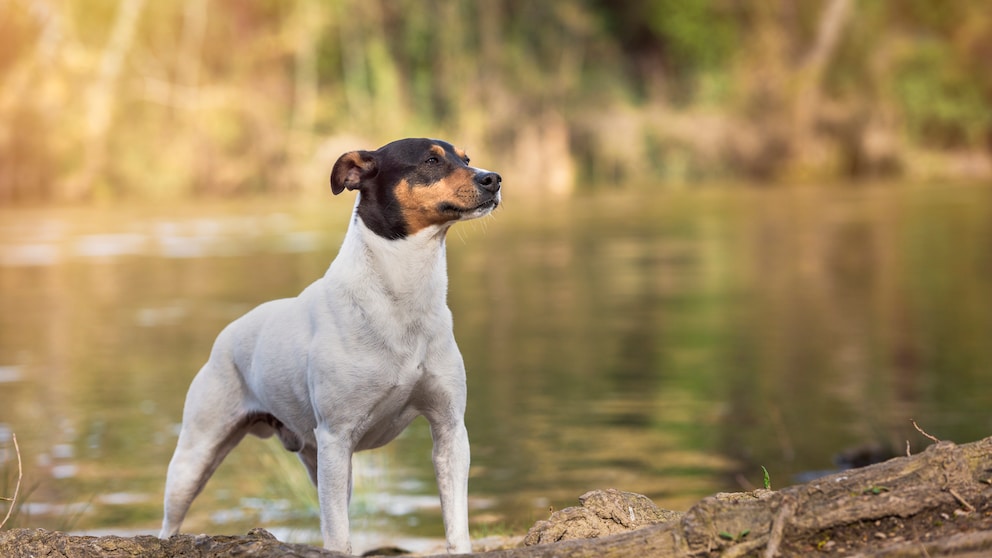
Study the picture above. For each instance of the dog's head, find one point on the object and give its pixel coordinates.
(411, 184)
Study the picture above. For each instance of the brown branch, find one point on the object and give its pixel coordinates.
(968, 507)
(778, 527)
(921, 431)
(17, 487)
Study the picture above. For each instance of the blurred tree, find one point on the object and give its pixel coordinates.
(125, 98)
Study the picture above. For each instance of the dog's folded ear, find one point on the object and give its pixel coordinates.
(351, 169)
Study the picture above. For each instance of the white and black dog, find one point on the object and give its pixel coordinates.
(350, 362)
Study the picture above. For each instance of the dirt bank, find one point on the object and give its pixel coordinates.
(936, 503)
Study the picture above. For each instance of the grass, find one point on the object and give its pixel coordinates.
(17, 487)
(498, 529)
(17, 501)
(287, 478)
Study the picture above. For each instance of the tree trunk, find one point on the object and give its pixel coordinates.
(101, 100)
(810, 74)
(937, 503)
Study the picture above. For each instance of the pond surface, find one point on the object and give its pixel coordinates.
(667, 344)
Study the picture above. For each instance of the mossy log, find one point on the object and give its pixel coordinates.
(936, 503)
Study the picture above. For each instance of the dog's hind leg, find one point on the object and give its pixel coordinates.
(308, 456)
(213, 423)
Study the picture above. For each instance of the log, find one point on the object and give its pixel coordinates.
(31, 543)
(936, 503)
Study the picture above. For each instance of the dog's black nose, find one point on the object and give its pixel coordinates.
(489, 181)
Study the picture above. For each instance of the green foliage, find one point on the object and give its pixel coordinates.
(699, 34)
(944, 105)
(230, 97)
(734, 538)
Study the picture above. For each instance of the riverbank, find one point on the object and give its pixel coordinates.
(935, 503)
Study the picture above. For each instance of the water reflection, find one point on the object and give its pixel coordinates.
(667, 344)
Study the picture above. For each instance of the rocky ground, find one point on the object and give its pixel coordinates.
(936, 503)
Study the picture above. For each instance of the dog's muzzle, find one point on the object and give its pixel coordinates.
(489, 181)
(488, 184)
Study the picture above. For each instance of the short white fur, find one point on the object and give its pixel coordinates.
(346, 366)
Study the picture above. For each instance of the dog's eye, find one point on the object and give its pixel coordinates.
(432, 160)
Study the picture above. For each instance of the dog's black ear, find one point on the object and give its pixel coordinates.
(351, 169)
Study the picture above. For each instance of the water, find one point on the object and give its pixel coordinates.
(668, 344)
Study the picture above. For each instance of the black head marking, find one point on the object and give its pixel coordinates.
(408, 184)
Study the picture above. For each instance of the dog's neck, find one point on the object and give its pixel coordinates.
(412, 271)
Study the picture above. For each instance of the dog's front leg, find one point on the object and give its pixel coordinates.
(334, 488)
(451, 466)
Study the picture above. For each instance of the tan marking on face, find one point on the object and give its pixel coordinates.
(421, 204)
(461, 154)
(438, 150)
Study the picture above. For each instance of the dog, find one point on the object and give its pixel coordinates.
(347, 364)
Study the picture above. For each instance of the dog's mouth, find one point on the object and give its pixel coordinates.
(472, 212)
(487, 205)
